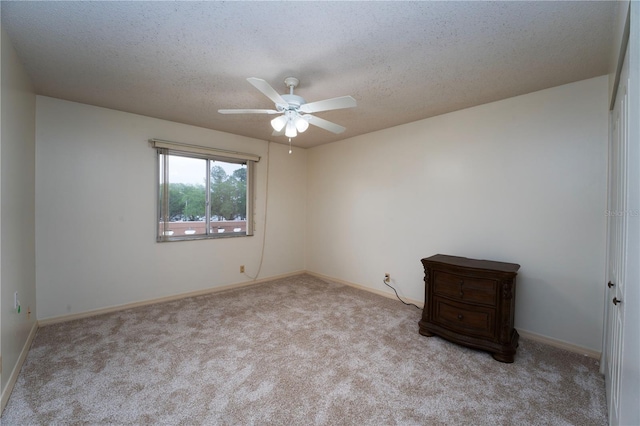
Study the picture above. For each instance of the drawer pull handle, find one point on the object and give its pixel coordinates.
(460, 316)
(610, 284)
(461, 294)
(616, 301)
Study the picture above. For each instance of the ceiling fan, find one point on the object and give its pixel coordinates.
(295, 111)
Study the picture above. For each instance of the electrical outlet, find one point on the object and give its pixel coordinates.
(387, 277)
(242, 269)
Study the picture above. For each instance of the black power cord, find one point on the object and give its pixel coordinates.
(394, 290)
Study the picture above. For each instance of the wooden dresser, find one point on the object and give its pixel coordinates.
(471, 302)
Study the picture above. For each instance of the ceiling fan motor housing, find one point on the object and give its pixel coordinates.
(294, 101)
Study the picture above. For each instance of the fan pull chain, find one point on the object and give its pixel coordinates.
(289, 145)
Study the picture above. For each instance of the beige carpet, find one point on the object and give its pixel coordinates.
(295, 351)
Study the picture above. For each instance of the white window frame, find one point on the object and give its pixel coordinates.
(168, 148)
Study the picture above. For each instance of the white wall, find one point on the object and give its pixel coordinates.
(17, 189)
(521, 180)
(96, 203)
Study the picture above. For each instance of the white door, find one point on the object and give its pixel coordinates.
(616, 259)
(621, 354)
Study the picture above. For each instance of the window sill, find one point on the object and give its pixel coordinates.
(202, 237)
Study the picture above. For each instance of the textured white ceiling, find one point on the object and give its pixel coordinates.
(401, 61)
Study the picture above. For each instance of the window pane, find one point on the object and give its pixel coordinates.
(187, 196)
(200, 197)
(228, 197)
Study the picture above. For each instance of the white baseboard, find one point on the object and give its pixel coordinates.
(559, 344)
(6, 392)
(389, 295)
(86, 314)
(524, 333)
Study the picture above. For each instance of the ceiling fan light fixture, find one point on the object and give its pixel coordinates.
(278, 123)
(301, 124)
(290, 132)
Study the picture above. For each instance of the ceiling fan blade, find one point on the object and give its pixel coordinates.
(324, 124)
(267, 90)
(329, 104)
(248, 111)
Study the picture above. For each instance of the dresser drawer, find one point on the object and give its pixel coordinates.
(459, 317)
(465, 289)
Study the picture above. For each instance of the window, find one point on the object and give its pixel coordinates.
(203, 193)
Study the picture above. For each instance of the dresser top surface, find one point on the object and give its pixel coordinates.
(465, 262)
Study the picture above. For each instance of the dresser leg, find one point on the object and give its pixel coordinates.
(503, 357)
(423, 330)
